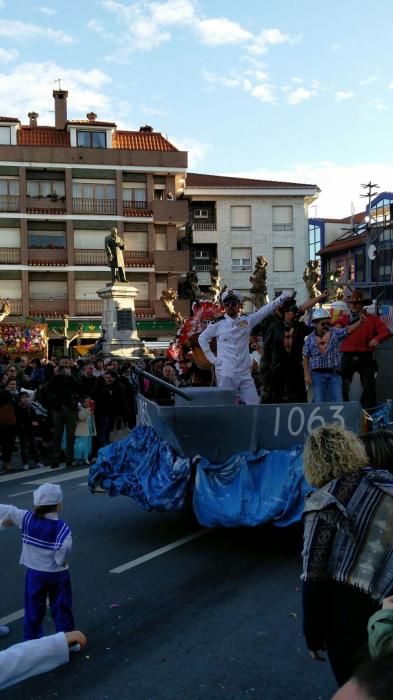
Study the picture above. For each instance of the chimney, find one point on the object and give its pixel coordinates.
(60, 97)
(33, 116)
(91, 116)
(148, 129)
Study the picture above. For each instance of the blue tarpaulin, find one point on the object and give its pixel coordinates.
(246, 490)
(250, 489)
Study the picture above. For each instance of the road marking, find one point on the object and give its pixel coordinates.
(4, 477)
(75, 474)
(17, 615)
(158, 552)
(20, 493)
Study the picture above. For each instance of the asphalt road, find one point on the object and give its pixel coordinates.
(217, 617)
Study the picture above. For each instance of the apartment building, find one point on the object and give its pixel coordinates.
(236, 219)
(62, 188)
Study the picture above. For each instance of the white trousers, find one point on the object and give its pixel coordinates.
(243, 384)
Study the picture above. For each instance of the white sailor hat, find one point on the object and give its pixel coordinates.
(231, 295)
(48, 495)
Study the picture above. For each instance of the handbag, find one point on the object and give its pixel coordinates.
(119, 431)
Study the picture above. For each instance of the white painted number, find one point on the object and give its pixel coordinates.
(292, 412)
(277, 421)
(314, 420)
(337, 414)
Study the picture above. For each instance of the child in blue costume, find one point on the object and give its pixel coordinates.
(46, 545)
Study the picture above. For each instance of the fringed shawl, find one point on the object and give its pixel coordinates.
(348, 532)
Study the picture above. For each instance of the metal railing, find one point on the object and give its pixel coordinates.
(197, 226)
(9, 256)
(137, 204)
(9, 202)
(91, 256)
(87, 205)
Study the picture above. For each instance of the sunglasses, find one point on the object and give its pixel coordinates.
(231, 303)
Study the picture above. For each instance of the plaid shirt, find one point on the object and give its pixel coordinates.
(331, 359)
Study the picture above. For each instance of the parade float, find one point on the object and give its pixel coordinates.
(235, 465)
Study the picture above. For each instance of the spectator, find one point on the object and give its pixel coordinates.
(379, 448)
(84, 431)
(26, 426)
(88, 381)
(110, 404)
(37, 376)
(371, 681)
(63, 391)
(7, 428)
(99, 368)
(347, 553)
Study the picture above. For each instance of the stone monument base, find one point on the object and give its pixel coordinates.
(119, 322)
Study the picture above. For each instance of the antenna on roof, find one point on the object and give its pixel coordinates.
(56, 81)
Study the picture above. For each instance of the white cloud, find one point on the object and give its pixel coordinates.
(173, 12)
(344, 95)
(7, 56)
(247, 81)
(270, 37)
(377, 105)
(219, 32)
(340, 184)
(264, 93)
(368, 81)
(299, 95)
(49, 11)
(22, 31)
(86, 91)
(96, 26)
(197, 151)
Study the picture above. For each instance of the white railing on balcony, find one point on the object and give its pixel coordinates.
(134, 204)
(89, 307)
(87, 205)
(202, 268)
(90, 256)
(212, 226)
(9, 256)
(9, 202)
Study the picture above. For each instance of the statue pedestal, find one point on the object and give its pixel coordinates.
(119, 321)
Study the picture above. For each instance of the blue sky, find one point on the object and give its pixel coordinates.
(292, 91)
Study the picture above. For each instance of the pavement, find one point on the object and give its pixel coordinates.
(171, 611)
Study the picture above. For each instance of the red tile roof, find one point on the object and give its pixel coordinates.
(141, 141)
(42, 136)
(357, 218)
(89, 122)
(137, 212)
(343, 244)
(201, 180)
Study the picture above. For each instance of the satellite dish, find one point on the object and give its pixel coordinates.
(372, 251)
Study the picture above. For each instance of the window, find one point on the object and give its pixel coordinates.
(283, 259)
(91, 190)
(241, 259)
(9, 187)
(240, 217)
(161, 241)
(5, 135)
(282, 218)
(201, 214)
(136, 241)
(45, 188)
(91, 139)
(315, 239)
(201, 254)
(46, 239)
(89, 239)
(135, 195)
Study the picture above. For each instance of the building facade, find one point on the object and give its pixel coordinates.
(62, 188)
(236, 219)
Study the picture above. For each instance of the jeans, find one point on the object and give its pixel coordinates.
(326, 387)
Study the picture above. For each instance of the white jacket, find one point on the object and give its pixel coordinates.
(33, 657)
(233, 338)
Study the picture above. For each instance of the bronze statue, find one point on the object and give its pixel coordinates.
(259, 284)
(312, 278)
(114, 246)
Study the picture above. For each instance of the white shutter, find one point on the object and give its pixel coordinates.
(160, 286)
(93, 239)
(9, 238)
(136, 240)
(46, 290)
(161, 241)
(10, 289)
(282, 215)
(241, 253)
(143, 289)
(283, 259)
(87, 289)
(240, 217)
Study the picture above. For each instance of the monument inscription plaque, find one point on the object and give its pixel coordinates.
(124, 319)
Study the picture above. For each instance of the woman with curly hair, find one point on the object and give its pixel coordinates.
(347, 553)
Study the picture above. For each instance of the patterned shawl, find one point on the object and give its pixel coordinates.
(348, 532)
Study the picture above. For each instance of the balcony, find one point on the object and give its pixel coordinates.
(50, 308)
(132, 258)
(16, 307)
(86, 205)
(168, 211)
(10, 256)
(89, 307)
(51, 204)
(200, 267)
(171, 260)
(204, 226)
(136, 208)
(55, 257)
(9, 202)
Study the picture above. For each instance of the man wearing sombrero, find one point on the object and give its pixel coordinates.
(358, 348)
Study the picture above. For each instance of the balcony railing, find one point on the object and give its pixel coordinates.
(47, 256)
(51, 308)
(86, 205)
(131, 204)
(89, 256)
(16, 307)
(209, 226)
(89, 307)
(9, 202)
(10, 256)
(198, 267)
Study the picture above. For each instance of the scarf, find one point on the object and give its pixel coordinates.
(348, 532)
